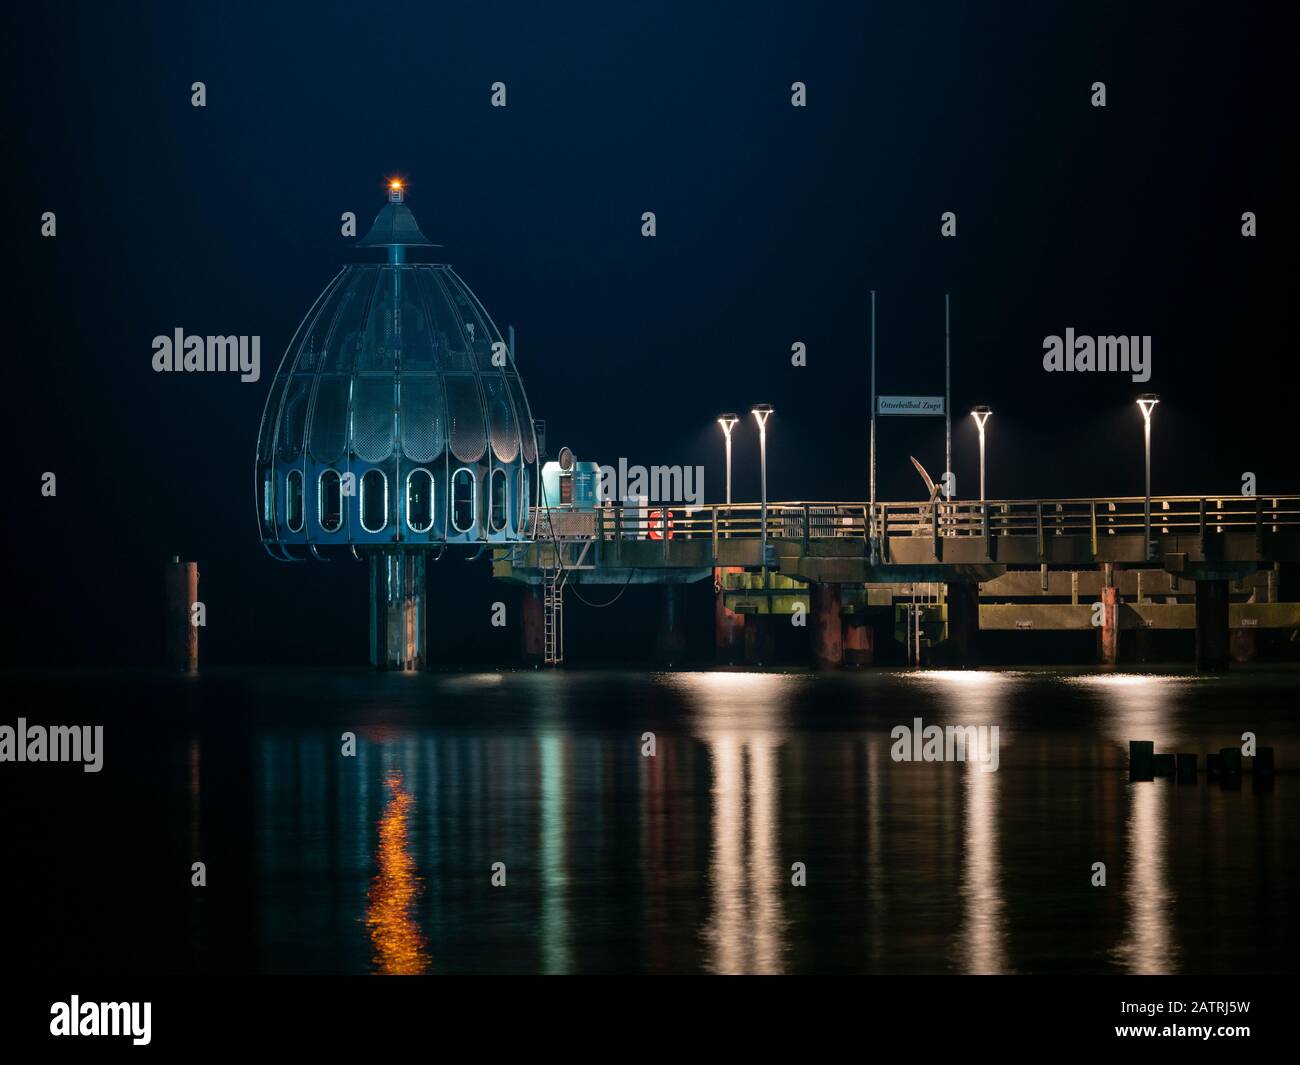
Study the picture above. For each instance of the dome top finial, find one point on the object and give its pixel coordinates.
(395, 226)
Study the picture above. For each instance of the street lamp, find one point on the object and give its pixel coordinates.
(981, 415)
(728, 422)
(761, 412)
(1147, 401)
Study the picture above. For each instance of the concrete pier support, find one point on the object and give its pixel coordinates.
(181, 637)
(1108, 631)
(858, 640)
(964, 621)
(533, 625)
(827, 628)
(728, 626)
(1211, 626)
(397, 610)
(670, 642)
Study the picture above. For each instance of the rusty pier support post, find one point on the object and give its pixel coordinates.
(827, 627)
(760, 642)
(728, 626)
(533, 627)
(859, 640)
(182, 635)
(1108, 631)
(1244, 644)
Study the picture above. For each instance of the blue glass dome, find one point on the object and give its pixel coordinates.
(397, 417)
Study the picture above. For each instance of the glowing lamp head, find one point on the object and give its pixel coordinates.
(728, 422)
(981, 415)
(1147, 401)
(396, 190)
(761, 412)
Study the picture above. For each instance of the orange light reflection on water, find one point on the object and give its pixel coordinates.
(400, 946)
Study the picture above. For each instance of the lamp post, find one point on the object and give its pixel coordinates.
(1147, 401)
(761, 412)
(728, 422)
(981, 415)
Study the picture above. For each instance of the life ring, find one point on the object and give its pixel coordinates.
(655, 524)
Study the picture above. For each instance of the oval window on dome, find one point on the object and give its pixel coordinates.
(268, 500)
(293, 501)
(374, 501)
(419, 500)
(329, 501)
(497, 513)
(462, 500)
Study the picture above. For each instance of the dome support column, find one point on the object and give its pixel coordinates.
(397, 610)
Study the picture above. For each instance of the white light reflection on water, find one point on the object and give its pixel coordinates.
(741, 718)
(1144, 707)
(472, 680)
(555, 879)
(877, 897)
(984, 934)
(979, 697)
(555, 768)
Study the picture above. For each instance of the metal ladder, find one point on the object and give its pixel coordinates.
(553, 581)
(554, 578)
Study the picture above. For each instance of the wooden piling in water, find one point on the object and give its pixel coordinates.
(1141, 759)
(1230, 760)
(1213, 768)
(1261, 770)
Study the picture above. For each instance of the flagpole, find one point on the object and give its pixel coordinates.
(947, 404)
(871, 521)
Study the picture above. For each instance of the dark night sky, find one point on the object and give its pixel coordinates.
(773, 225)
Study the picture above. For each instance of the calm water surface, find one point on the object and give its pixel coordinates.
(681, 862)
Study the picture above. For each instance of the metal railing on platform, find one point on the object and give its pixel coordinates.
(993, 518)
